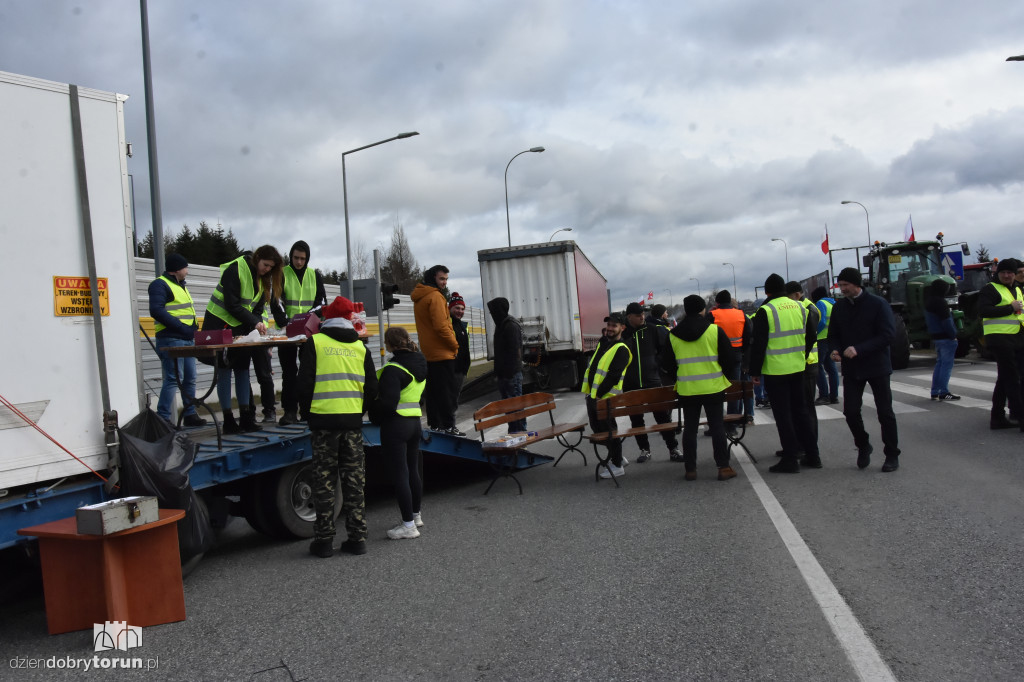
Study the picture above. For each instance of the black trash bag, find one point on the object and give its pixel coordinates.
(155, 460)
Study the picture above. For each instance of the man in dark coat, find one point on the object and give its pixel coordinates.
(508, 354)
(647, 341)
(860, 334)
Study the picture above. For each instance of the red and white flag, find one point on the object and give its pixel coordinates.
(650, 295)
(908, 230)
(824, 242)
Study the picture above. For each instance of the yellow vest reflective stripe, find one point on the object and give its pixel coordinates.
(823, 334)
(181, 305)
(1008, 324)
(603, 363)
(787, 322)
(299, 297)
(247, 294)
(697, 368)
(812, 357)
(339, 376)
(409, 398)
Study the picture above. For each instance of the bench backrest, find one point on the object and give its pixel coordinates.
(508, 410)
(642, 401)
(739, 390)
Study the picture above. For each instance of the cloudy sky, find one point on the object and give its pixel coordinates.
(678, 135)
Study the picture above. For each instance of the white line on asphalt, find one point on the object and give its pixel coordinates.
(867, 662)
(964, 401)
(954, 380)
(990, 373)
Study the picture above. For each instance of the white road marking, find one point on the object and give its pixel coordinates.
(927, 393)
(984, 386)
(867, 662)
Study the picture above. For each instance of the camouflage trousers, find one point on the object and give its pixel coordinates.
(339, 454)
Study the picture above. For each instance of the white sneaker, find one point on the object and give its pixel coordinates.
(625, 462)
(417, 518)
(618, 471)
(403, 532)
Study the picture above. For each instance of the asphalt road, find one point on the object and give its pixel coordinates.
(832, 574)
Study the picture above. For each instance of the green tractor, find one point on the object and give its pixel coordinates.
(902, 273)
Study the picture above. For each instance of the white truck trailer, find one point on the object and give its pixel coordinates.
(561, 300)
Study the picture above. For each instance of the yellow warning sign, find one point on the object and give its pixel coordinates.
(73, 296)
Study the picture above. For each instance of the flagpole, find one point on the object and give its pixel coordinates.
(831, 269)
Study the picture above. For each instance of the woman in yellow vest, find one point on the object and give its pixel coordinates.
(701, 356)
(397, 410)
(246, 286)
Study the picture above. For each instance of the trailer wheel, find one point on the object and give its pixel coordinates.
(256, 507)
(899, 352)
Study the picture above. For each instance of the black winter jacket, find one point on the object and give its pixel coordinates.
(646, 342)
(508, 340)
(867, 324)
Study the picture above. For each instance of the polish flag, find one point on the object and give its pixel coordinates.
(650, 295)
(908, 230)
(824, 242)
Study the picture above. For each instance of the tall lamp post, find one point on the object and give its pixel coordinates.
(776, 239)
(508, 223)
(698, 286)
(734, 294)
(866, 217)
(344, 191)
(552, 237)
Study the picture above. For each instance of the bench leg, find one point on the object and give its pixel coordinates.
(737, 440)
(503, 465)
(603, 463)
(570, 447)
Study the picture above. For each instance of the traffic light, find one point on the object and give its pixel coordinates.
(387, 295)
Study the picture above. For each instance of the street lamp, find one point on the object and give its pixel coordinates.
(552, 237)
(776, 239)
(508, 224)
(734, 294)
(670, 303)
(344, 191)
(698, 286)
(866, 217)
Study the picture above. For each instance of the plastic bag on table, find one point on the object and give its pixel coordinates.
(155, 460)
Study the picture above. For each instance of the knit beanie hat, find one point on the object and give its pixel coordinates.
(850, 275)
(774, 285)
(1008, 264)
(456, 300)
(693, 304)
(339, 307)
(723, 297)
(657, 311)
(175, 262)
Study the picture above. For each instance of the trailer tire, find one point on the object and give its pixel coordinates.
(256, 506)
(899, 351)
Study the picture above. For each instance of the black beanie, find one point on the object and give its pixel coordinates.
(657, 310)
(1008, 265)
(175, 262)
(851, 275)
(774, 285)
(693, 304)
(723, 297)
(819, 293)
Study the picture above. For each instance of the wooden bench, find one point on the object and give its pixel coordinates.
(642, 401)
(498, 412)
(739, 391)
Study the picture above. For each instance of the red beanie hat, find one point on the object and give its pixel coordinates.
(456, 300)
(340, 307)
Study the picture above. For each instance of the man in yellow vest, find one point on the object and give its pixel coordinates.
(303, 293)
(828, 373)
(795, 291)
(783, 336)
(1001, 306)
(702, 356)
(337, 381)
(174, 317)
(603, 378)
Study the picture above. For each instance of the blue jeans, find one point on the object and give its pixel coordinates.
(511, 388)
(945, 349)
(238, 359)
(186, 373)
(828, 375)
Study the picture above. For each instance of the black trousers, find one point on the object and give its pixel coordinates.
(264, 377)
(288, 356)
(1008, 380)
(712, 405)
(601, 425)
(789, 408)
(400, 445)
(440, 393)
(853, 399)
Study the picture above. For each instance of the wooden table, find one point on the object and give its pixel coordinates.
(133, 575)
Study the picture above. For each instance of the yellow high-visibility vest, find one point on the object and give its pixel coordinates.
(603, 363)
(250, 297)
(697, 368)
(299, 297)
(787, 322)
(181, 305)
(340, 376)
(823, 334)
(1007, 324)
(409, 398)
